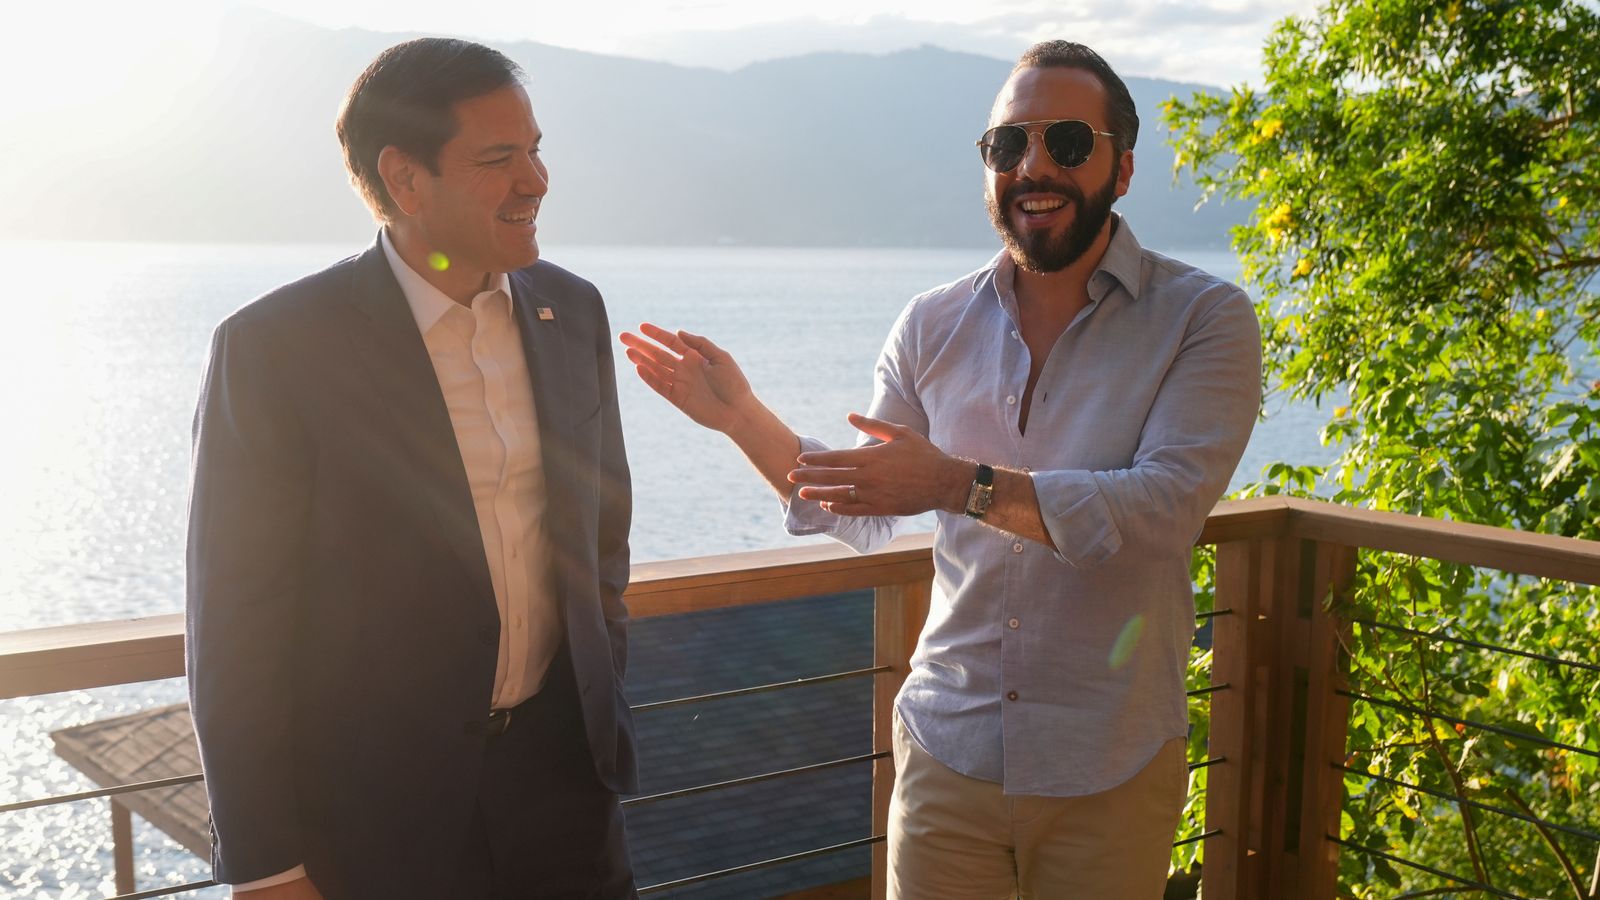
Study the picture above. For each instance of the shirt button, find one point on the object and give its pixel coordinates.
(1017, 547)
(1015, 336)
(1014, 623)
(1012, 400)
(1011, 695)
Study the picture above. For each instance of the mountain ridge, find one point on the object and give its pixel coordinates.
(833, 148)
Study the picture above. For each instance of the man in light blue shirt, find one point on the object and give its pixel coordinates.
(1072, 411)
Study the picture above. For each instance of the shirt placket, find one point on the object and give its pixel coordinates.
(1012, 550)
(489, 353)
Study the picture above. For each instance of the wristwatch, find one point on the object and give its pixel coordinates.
(982, 492)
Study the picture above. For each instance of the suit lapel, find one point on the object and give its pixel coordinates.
(390, 347)
(544, 343)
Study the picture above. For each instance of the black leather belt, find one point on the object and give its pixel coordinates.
(499, 723)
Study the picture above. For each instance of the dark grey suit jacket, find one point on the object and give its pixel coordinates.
(342, 630)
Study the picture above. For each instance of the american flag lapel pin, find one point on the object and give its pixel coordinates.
(546, 314)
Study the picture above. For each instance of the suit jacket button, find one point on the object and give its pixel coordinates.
(490, 635)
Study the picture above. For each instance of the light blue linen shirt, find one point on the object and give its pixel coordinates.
(1062, 673)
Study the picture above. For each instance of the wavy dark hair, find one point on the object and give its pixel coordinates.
(406, 99)
(1120, 111)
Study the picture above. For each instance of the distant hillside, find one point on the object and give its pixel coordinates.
(825, 149)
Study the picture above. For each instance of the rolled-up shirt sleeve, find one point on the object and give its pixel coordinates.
(1192, 439)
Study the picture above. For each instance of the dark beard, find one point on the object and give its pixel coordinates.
(1040, 251)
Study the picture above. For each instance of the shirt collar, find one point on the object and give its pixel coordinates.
(1122, 262)
(428, 303)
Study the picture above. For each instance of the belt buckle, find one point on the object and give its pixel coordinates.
(499, 722)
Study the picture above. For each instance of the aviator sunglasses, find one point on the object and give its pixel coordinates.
(1069, 142)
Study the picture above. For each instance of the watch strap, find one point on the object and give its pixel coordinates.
(981, 494)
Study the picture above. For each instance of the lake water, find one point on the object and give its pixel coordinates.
(107, 343)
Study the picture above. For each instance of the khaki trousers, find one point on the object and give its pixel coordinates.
(957, 838)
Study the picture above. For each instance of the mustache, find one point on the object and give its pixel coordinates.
(1030, 186)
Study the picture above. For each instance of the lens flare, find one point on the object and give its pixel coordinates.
(438, 261)
(1127, 642)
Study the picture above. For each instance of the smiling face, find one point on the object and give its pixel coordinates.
(1049, 216)
(478, 212)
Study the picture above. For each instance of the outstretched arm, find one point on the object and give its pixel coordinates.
(705, 382)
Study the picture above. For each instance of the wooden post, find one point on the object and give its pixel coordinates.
(1307, 738)
(1233, 791)
(122, 848)
(1327, 720)
(900, 611)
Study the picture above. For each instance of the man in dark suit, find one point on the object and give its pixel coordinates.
(408, 532)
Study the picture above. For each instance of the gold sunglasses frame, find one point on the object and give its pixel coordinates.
(1030, 132)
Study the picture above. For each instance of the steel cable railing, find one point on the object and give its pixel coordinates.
(165, 891)
(653, 798)
(112, 791)
(1478, 804)
(1421, 867)
(1537, 739)
(1477, 645)
(763, 864)
(758, 689)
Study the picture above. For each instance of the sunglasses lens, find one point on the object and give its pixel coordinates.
(1003, 147)
(1069, 143)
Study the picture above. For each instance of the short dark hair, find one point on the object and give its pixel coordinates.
(1121, 114)
(405, 99)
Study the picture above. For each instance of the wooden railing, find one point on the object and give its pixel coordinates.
(1278, 728)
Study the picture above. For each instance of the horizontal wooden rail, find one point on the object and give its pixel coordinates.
(1505, 549)
(757, 576)
(90, 655)
(98, 654)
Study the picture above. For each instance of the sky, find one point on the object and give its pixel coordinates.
(103, 43)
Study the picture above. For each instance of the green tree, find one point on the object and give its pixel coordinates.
(1425, 235)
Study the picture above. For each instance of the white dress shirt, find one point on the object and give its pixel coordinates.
(478, 357)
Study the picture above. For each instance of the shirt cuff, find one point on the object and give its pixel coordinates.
(803, 517)
(272, 881)
(1077, 516)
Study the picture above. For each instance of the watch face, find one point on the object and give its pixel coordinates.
(978, 499)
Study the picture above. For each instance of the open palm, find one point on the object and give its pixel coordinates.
(692, 373)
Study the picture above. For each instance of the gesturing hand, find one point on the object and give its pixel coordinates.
(692, 373)
(903, 476)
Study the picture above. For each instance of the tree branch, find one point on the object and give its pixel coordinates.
(1469, 823)
(1580, 262)
(1567, 867)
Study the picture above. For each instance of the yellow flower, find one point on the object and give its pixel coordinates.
(1303, 267)
(1279, 218)
(1268, 129)
(1340, 412)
